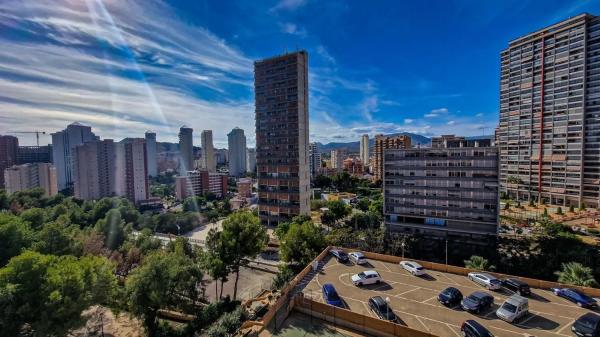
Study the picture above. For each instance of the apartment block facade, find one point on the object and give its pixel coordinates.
(208, 151)
(150, 138)
(450, 190)
(384, 143)
(314, 159)
(63, 151)
(549, 132)
(364, 149)
(337, 159)
(9, 148)
(236, 141)
(131, 160)
(200, 182)
(186, 150)
(31, 175)
(34, 154)
(94, 168)
(281, 103)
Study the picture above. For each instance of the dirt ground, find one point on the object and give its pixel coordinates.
(102, 320)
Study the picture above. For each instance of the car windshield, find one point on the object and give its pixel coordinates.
(362, 275)
(342, 254)
(586, 322)
(447, 292)
(474, 298)
(419, 268)
(509, 307)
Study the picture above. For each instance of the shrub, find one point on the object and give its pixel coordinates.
(559, 211)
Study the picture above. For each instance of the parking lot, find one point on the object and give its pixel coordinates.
(414, 300)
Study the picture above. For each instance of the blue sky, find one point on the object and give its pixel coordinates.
(126, 66)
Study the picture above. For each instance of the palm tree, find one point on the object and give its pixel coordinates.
(478, 263)
(576, 274)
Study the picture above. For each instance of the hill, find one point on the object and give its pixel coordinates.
(355, 146)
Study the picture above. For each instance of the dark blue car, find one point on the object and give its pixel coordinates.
(331, 296)
(576, 297)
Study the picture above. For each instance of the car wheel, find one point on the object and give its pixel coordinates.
(377, 282)
(359, 284)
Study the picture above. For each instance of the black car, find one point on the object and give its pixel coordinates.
(450, 297)
(471, 328)
(587, 325)
(477, 302)
(517, 286)
(340, 255)
(382, 309)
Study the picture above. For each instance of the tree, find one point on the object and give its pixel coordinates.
(338, 209)
(215, 260)
(163, 280)
(194, 204)
(54, 239)
(35, 216)
(559, 211)
(15, 235)
(478, 263)
(582, 207)
(363, 204)
(574, 273)
(113, 228)
(244, 237)
(322, 181)
(302, 243)
(49, 293)
(572, 208)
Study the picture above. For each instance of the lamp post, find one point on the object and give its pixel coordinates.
(387, 301)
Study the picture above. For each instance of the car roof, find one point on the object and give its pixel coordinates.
(416, 264)
(370, 272)
(480, 294)
(328, 287)
(451, 289)
(517, 299)
(357, 254)
(378, 300)
(476, 325)
(590, 317)
(516, 281)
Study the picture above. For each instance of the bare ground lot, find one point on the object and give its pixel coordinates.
(414, 300)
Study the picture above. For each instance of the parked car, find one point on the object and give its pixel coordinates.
(357, 257)
(587, 325)
(513, 308)
(516, 286)
(331, 296)
(340, 255)
(576, 297)
(412, 267)
(486, 280)
(450, 297)
(471, 328)
(366, 277)
(477, 302)
(382, 309)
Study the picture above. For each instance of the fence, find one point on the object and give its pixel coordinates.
(352, 320)
(541, 284)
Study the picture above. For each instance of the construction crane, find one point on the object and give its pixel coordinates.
(37, 134)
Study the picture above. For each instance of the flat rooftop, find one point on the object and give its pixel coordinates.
(414, 300)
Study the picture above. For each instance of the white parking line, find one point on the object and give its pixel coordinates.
(450, 328)
(451, 280)
(429, 299)
(564, 327)
(423, 324)
(384, 266)
(406, 292)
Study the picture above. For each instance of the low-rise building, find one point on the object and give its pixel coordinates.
(200, 182)
(32, 175)
(354, 166)
(244, 187)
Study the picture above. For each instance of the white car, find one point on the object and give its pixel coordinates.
(366, 277)
(486, 280)
(412, 267)
(357, 257)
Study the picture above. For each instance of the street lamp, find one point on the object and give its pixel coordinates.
(387, 301)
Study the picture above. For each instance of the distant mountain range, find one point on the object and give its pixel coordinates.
(355, 146)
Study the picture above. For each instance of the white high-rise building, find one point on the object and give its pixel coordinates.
(314, 157)
(131, 169)
(63, 148)
(364, 149)
(208, 151)
(186, 150)
(237, 152)
(337, 159)
(151, 153)
(250, 160)
(23, 177)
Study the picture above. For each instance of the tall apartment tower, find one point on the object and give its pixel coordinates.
(131, 168)
(281, 100)
(34, 154)
(9, 148)
(186, 150)
(150, 138)
(549, 132)
(447, 191)
(94, 168)
(337, 159)
(208, 151)
(314, 159)
(364, 149)
(384, 143)
(237, 152)
(63, 151)
(250, 160)
(31, 175)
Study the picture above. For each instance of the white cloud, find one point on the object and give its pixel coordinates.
(451, 122)
(322, 51)
(479, 114)
(293, 29)
(289, 5)
(408, 120)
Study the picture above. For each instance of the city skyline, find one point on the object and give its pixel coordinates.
(115, 75)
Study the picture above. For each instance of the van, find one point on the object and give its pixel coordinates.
(513, 308)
